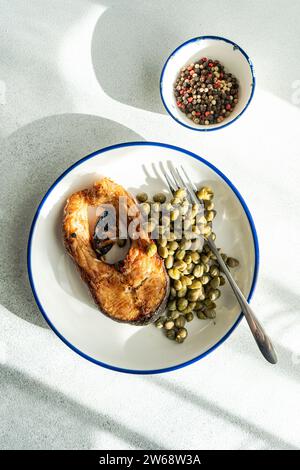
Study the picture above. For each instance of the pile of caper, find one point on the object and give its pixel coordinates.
(193, 269)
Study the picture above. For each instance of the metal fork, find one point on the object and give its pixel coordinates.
(264, 343)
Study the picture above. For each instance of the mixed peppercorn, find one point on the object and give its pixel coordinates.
(206, 92)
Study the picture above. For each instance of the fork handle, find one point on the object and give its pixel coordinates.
(263, 341)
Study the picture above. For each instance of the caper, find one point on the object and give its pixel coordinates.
(159, 323)
(174, 273)
(180, 254)
(168, 325)
(213, 236)
(159, 197)
(162, 241)
(199, 305)
(189, 317)
(232, 262)
(205, 280)
(171, 334)
(222, 280)
(172, 293)
(188, 309)
(195, 257)
(171, 305)
(180, 321)
(205, 193)
(204, 258)
(201, 315)
(142, 197)
(210, 215)
(206, 230)
(214, 271)
(171, 252)
(196, 284)
(198, 270)
(182, 292)
(180, 264)
(173, 314)
(179, 340)
(181, 304)
(210, 313)
(209, 303)
(182, 333)
(188, 258)
(190, 268)
(163, 251)
(186, 281)
(193, 295)
(180, 193)
(169, 261)
(215, 282)
(185, 244)
(214, 294)
(177, 285)
(174, 214)
(209, 205)
(151, 249)
(173, 245)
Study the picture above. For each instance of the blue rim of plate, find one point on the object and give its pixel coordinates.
(29, 249)
(200, 38)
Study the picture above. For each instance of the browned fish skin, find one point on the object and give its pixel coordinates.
(136, 295)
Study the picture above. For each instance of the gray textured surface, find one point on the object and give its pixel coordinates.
(79, 75)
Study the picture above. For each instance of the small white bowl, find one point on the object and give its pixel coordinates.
(235, 61)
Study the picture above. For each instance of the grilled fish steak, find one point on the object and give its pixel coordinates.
(135, 291)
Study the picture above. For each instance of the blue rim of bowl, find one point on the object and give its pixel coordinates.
(200, 38)
(29, 249)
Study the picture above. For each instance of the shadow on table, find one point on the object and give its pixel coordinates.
(268, 440)
(35, 417)
(31, 159)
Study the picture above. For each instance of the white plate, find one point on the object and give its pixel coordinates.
(65, 301)
(235, 61)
